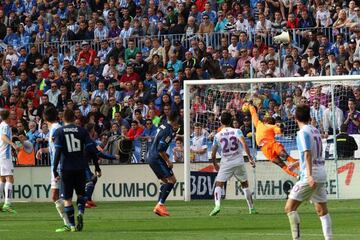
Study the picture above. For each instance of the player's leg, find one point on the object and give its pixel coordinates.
(166, 175)
(241, 175)
(299, 193)
(217, 197)
(91, 180)
(284, 155)
(322, 211)
(59, 202)
(8, 188)
(2, 186)
(79, 187)
(319, 197)
(294, 218)
(67, 181)
(284, 167)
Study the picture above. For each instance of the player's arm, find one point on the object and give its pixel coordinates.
(305, 147)
(247, 150)
(165, 139)
(91, 147)
(308, 162)
(58, 151)
(166, 158)
(254, 116)
(213, 157)
(7, 140)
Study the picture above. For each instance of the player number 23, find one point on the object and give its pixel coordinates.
(72, 143)
(234, 144)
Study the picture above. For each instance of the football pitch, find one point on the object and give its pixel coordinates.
(135, 220)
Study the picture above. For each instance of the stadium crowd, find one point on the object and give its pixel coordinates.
(118, 65)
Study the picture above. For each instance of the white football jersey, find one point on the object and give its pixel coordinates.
(52, 130)
(5, 148)
(309, 139)
(231, 148)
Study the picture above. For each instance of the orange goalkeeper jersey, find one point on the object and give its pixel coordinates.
(264, 132)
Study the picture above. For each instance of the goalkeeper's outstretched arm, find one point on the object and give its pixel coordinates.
(254, 116)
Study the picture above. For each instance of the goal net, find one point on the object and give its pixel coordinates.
(277, 98)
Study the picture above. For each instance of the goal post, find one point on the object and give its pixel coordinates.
(230, 85)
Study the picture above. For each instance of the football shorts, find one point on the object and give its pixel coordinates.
(72, 180)
(6, 168)
(55, 184)
(302, 192)
(272, 150)
(160, 168)
(226, 171)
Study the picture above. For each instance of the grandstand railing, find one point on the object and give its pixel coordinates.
(213, 39)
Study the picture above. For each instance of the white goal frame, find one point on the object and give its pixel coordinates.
(187, 84)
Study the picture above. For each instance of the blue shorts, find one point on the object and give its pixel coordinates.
(160, 168)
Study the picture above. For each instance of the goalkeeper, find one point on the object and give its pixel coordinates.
(265, 138)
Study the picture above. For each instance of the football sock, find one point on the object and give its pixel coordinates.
(59, 204)
(326, 226)
(294, 220)
(286, 169)
(217, 196)
(248, 196)
(2, 185)
(69, 211)
(161, 189)
(81, 204)
(165, 191)
(90, 186)
(8, 192)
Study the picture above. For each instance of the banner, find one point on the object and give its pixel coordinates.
(138, 183)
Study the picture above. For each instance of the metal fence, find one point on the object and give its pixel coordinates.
(213, 39)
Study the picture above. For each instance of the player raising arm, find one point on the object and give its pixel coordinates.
(159, 160)
(231, 142)
(70, 142)
(312, 183)
(265, 138)
(6, 164)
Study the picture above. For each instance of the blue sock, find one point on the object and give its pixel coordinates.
(165, 191)
(81, 204)
(90, 186)
(161, 189)
(69, 211)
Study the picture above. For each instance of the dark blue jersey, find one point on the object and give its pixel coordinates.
(70, 143)
(165, 134)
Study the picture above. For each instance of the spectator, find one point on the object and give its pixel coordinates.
(328, 118)
(352, 118)
(178, 150)
(198, 146)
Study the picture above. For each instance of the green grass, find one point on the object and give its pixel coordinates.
(135, 220)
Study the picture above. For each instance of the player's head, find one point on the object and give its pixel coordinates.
(50, 114)
(69, 116)
(302, 113)
(174, 120)
(270, 120)
(4, 114)
(226, 119)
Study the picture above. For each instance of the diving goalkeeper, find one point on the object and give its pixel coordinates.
(265, 138)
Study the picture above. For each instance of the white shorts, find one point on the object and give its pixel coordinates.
(6, 168)
(302, 191)
(227, 171)
(54, 183)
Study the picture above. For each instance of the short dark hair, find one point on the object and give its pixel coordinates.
(4, 114)
(270, 120)
(69, 116)
(50, 114)
(302, 113)
(226, 118)
(173, 117)
(343, 128)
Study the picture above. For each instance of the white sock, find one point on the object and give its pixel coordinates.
(8, 192)
(294, 220)
(217, 196)
(326, 226)
(59, 204)
(248, 196)
(2, 185)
